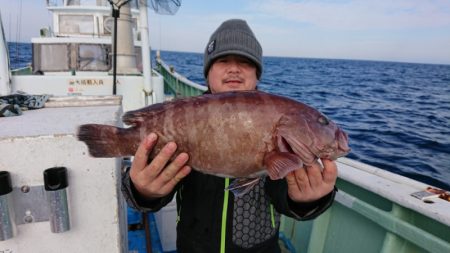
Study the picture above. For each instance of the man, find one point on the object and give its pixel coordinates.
(211, 219)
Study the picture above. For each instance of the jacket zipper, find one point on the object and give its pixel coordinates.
(224, 216)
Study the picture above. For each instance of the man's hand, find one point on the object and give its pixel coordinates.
(312, 182)
(158, 178)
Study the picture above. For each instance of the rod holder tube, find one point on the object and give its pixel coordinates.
(7, 225)
(55, 184)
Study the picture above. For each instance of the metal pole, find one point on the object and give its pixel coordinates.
(115, 14)
(148, 240)
(146, 53)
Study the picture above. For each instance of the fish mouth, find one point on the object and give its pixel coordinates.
(308, 154)
(338, 149)
(284, 146)
(342, 143)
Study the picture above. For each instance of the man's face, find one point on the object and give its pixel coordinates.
(231, 73)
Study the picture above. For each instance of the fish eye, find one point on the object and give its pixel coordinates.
(323, 120)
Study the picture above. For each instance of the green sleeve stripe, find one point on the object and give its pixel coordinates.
(224, 217)
(272, 216)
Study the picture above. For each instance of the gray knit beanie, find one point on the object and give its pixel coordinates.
(233, 36)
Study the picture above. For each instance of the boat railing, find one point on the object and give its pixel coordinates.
(370, 220)
(176, 84)
(27, 70)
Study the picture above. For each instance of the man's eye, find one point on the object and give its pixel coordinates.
(245, 61)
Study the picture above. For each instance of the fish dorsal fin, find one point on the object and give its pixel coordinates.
(279, 164)
(138, 116)
(241, 186)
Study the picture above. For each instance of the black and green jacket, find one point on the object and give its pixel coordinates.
(211, 219)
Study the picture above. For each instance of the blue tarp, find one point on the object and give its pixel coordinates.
(136, 238)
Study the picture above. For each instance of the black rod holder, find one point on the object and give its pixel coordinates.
(55, 184)
(7, 226)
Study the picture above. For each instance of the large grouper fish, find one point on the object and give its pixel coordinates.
(243, 134)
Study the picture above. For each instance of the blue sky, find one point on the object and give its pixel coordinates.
(400, 30)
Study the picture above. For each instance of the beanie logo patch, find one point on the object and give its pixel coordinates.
(211, 46)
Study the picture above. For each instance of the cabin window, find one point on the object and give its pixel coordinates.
(138, 52)
(93, 57)
(134, 25)
(73, 2)
(76, 24)
(132, 3)
(108, 25)
(59, 60)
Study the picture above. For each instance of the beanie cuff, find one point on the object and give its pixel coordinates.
(252, 58)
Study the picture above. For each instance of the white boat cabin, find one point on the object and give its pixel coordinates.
(80, 39)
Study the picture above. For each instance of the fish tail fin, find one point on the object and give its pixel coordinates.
(106, 141)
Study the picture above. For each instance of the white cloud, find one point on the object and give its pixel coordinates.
(358, 15)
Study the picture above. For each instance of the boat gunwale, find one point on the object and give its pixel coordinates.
(393, 187)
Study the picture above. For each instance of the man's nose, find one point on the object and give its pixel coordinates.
(233, 66)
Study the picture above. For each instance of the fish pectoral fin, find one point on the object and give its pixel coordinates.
(279, 164)
(241, 186)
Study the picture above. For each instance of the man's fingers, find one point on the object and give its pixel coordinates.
(330, 171)
(177, 178)
(174, 172)
(314, 172)
(290, 179)
(141, 156)
(302, 180)
(159, 178)
(174, 167)
(159, 162)
(312, 182)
